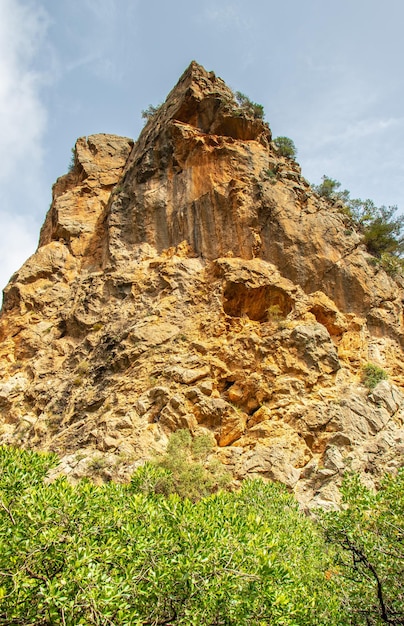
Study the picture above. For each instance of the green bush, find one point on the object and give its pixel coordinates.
(372, 375)
(329, 189)
(112, 555)
(251, 108)
(270, 174)
(72, 162)
(370, 531)
(381, 229)
(184, 470)
(392, 264)
(150, 111)
(285, 147)
(150, 478)
(106, 555)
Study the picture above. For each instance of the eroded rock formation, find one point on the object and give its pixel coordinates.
(193, 279)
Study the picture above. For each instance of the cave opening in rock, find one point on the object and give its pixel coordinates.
(256, 303)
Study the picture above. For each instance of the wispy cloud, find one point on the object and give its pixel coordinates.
(363, 154)
(22, 125)
(360, 129)
(22, 116)
(98, 40)
(227, 16)
(87, 59)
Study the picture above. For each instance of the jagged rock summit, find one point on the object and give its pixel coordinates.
(193, 279)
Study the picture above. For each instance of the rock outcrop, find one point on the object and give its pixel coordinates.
(193, 279)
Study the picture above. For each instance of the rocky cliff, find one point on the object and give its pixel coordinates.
(193, 279)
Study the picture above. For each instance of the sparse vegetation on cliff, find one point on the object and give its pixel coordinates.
(372, 375)
(185, 469)
(150, 111)
(72, 162)
(250, 107)
(329, 188)
(192, 280)
(285, 147)
(381, 228)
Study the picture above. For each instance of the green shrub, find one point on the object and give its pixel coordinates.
(72, 162)
(274, 313)
(184, 469)
(150, 111)
(150, 478)
(251, 108)
(113, 555)
(372, 375)
(83, 367)
(285, 147)
(329, 189)
(97, 463)
(381, 229)
(370, 531)
(392, 264)
(106, 555)
(382, 232)
(202, 446)
(271, 174)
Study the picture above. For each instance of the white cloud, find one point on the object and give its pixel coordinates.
(22, 125)
(22, 116)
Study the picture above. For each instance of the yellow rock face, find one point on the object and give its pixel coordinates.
(194, 280)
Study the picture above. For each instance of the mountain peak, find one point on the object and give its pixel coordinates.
(204, 101)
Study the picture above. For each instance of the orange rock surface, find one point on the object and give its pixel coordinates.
(193, 279)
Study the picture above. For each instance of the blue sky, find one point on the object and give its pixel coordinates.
(329, 74)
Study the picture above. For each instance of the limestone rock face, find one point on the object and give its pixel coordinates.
(193, 279)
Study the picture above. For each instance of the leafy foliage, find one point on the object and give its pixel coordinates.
(72, 162)
(184, 469)
(329, 189)
(113, 555)
(382, 230)
(250, 107)
(150, 111)
(370, 531)
(372, 375)
(87, 554)
(285, 147)
(391, 263)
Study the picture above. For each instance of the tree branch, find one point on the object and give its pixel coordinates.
(9, 513)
